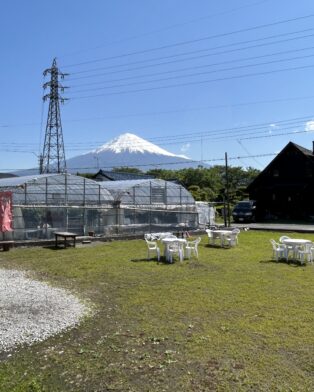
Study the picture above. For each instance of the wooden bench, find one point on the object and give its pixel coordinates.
(6, 245)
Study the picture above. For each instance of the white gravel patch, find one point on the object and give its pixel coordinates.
(31, 311)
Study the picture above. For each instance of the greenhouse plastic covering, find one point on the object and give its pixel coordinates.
(55, 189)
(148, 192)
(44, 204)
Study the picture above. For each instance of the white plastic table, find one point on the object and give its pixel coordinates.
(156, 236)
(295, 243)
(167, 241)
(222, 234)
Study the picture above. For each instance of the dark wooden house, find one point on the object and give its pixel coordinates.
(285, 188)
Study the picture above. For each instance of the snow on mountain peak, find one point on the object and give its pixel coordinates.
(133, 144)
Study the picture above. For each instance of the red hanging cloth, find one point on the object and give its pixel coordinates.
(5, 211)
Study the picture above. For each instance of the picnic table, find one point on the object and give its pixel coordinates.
(222, 234)
(169, 241)
(65, 235)
(295, 243)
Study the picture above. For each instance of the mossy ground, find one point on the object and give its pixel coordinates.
(234, 320)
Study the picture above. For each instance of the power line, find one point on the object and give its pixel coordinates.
(221, 106)
(213, 138)
(182, 137)
(246, 134)
(195, 67)
(165, 112)
(197, 73)
(191, 58)
(163, 164)
(170, 27)
(182, 43)
(256, 126)
(195, 82)
(247, 151)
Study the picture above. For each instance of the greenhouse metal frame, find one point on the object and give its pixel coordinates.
(43, 204)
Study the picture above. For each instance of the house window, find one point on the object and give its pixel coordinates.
(276, 173)
(158, 195)
(274, 196)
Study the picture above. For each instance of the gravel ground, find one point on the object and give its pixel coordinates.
(31, 311)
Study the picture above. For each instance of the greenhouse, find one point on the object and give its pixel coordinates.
(43, 204)
(150, 205)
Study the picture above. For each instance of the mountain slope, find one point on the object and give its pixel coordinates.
(128, 150)
(125, 150)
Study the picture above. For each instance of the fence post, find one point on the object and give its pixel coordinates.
(46, 189)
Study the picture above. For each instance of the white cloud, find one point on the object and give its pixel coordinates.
(272, 127)
(185, 147)
(309, 126)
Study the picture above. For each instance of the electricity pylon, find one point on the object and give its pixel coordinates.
(52, 159)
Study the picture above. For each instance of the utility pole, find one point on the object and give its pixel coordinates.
(52, 159)
(227, 190)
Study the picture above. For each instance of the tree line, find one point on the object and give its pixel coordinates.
(206, 184)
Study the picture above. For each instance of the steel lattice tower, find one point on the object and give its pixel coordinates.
(52, 159)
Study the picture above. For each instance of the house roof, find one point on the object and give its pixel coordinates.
(306, 152)
(7, 175)
(121, 176)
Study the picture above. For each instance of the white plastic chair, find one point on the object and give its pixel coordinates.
(175, 248)
(283, 237)
(289, 247)
(152, 247)
(192, 247)
(232, 238)
(211, 237)
(236, 231)
(305, 253)
(280, 251)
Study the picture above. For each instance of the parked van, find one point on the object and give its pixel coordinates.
(244, 211)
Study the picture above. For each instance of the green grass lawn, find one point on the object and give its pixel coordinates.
(232, 321)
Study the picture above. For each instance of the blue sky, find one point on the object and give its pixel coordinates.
(196, 77)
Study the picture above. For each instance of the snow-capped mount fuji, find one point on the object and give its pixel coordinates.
(128, 142)
(128, 150)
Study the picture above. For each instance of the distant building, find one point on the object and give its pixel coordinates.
(107, 175)
(7, 175)
(285, 188)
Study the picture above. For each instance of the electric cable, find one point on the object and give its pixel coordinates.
(195, 67)
(234, 77)
(169, 27)
(188, 58)
(188, 42)
(195, 74)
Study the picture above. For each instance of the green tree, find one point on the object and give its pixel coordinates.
(126, 169)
